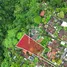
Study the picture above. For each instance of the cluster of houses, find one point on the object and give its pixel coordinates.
(58, 39)
(57, 30)
(53, 46)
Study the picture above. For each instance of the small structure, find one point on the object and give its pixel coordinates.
(65, 64)
(64, 24)
(62, 35)
(53, 46)
(50, 26)
(33, 33)
(64, 56)
(42, 13)
(51, 22)
(50, 29)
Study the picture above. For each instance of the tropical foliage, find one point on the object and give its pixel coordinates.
(16, 18)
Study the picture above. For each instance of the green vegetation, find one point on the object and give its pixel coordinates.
(16, 18)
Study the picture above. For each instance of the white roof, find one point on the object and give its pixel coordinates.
(64, 24)
(38, 66)
(62, 42)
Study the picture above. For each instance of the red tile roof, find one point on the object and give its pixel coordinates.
(42, 13)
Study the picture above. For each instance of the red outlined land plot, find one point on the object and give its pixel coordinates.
(30, 45)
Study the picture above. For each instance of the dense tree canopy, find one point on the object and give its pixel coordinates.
(16, 18)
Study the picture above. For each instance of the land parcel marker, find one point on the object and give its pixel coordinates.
(30, 45)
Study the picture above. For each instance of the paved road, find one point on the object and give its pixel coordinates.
(48, 61)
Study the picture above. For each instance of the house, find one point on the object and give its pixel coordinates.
(50, 26)
(40, 40)
(64, 24)
(65, 64)
(53, 46)
(64, 56)
(62, 35)
(51, 54)
(34, 33)
(50, 29)
(51, 22)
(42, 13)
(65, 15)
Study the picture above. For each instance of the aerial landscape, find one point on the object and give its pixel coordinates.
(33, 33)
